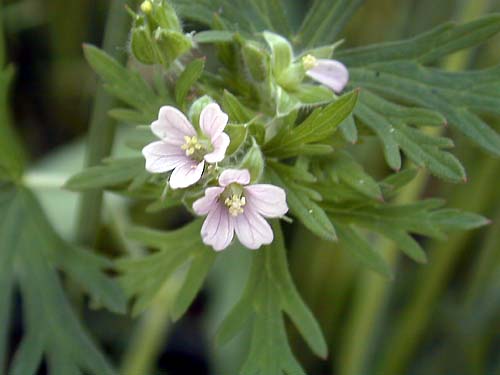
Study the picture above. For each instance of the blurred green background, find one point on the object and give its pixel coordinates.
(439, 318)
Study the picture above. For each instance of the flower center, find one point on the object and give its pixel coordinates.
(309, 62)
(194, 148)
(235, 204)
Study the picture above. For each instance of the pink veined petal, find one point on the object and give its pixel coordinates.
(186, 174)
(331, 73)
(212, 120)
(172, 126)
(240, 176)
(220, 145)
(206, 203)
(267, 200)
(162, 157)
(252, 230)
(218, 228)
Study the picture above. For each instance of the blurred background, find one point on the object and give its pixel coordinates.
(439, 318)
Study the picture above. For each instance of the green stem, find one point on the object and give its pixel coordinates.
(373, 291)
(102, 128)
(150, 333)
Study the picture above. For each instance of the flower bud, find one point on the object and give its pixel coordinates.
(256, 60)
(157, 36)
(197, 107)
(254, 162)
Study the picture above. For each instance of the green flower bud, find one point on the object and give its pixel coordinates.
(256, 60)
(157, 36)
(197, 107)
(254, 162)
(171, 45)
(142, 45)
(291, 77)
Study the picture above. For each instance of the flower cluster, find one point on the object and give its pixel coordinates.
(192, 153)
(234, 205)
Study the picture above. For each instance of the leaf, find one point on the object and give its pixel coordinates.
(324, 21)
(269, 293)
(143, 278)
(345, 169)
(427, 47)
(237, 112)
(125, 84)
(115, 172)
(397, 222)
(213, 36)
(12, 154)
(349, 130)
(301, 205)
(320, 124)
(52, 330)
(188, 78)
(391, 123)
(366, 253)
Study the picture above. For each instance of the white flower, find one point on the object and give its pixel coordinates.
(182, 149)
(331, 73)
(235, 206)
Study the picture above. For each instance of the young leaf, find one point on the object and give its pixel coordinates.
(188, 77)
(320, 124)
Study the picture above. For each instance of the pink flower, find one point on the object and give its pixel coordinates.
(237, 206)
(331, 73)
(182, 149)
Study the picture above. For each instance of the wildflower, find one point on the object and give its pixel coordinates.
(331, 73)
(182, 149)
(235, 206)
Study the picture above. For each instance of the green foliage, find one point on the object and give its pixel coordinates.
(396, 70)
(52, 329)
(269, 293)
(187, 79)
(143, 278)
(391, 124)
(318, 126)
(126, 85)
(396, 222)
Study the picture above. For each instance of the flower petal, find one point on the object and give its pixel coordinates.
(331, 73)
(253, 230)
(163, 157)
(212, 120)
(186, 174)
(240, 176)
(204, 204)
(267, 200)
(220, 145)
(218, 228)
(172, 125)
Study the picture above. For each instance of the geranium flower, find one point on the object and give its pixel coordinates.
(182, 149)
(331, 73)
(235, 206)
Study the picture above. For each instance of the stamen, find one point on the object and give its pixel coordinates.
(191, 145)
(235, 204)
(309, 62)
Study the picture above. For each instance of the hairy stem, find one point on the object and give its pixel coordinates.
(102, 128)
